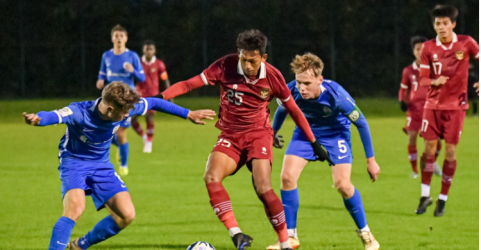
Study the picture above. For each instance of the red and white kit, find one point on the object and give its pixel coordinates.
(414, 95)
(154, 70)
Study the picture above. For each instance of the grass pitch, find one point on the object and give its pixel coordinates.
(173, 207)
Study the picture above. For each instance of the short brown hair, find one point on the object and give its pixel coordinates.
(444, 11)
(252, 40)
(118, 27)
(306, 62)
(120, 95)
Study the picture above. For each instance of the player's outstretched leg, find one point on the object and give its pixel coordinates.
(123, 151)
(449, 168)
(74, 205)
(341, 174)
(219, 166)
(122, 213)
(261, 175)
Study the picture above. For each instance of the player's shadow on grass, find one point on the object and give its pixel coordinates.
(143, 246)
(320, 207)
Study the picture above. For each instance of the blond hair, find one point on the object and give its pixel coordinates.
(305, 62)
(118, 27)
(120, 95)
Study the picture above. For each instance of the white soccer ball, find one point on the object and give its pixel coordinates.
(201, 245)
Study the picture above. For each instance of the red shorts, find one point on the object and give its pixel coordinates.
(243, 147)
(444, 124)
(414, 116)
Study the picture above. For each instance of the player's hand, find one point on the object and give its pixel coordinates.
(31, 119)
(129, 67)
(321, 153)
(404, 106)
(199, 115)
(373, 168)
(100, 84)
(440, 81)
(278, 141)
(476, 86)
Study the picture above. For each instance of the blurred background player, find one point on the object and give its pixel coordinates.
(120, 64)
(444, 69)
(330, 110)
(85, 167)
(154, 69)
(248, 83)
(472, 89)
(412, 97)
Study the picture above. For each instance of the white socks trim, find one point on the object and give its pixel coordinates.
(292, 232)
(286, 244)
(443, 197)
(365, 229)
(425, 190)
(234, 230)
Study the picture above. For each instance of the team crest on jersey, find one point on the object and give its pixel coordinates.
(153, 70)
(354, 115)
(264, 93)
(115, 129)
(65, 112)
(326, 110)
(459, 55)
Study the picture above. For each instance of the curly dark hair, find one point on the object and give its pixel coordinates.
(252, 40)
(120, 95)
(444, 11)
(417, 39)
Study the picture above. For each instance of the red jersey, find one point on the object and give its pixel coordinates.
(153, 69)
(449, 60)
(411, 91)
(243, 101)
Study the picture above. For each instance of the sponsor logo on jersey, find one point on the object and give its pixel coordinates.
(414, 77)
(264, 93)
(459, 55)
(152, 70)
(235, 86)
(264, 150)
(65, 112)
(435, 57)
(326, 110)
(354, 115)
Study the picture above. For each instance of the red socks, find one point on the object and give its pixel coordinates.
(428, 169)
(220, 201)
(413, 157)
(449, 168)
(150, 128)
(275, 214)
(136, 126)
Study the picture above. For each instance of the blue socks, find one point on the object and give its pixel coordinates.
(105, 229)
(61, 233)
(290, 201)
(124, 154)
(356, 209)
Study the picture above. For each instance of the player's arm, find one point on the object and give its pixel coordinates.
(163, 106)
(404, 91)
(138, 70)
(164, 77)
(425, 71)
(473, 48)
(102, 73)
(45, 118)
(279, 118)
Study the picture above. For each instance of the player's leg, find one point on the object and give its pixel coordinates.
(73, 207)
(137, 127)
(413, 152)
(122, 213)
(149, 119)
(123, 150)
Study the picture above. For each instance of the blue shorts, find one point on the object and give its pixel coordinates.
(338, 144)
(98, 179)
(127, 123)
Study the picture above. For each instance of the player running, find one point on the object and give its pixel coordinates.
(154, 70)
(444, 69)
(412, 98)
(120, 64)
(84, 159)
(248, 83)
(330, 110)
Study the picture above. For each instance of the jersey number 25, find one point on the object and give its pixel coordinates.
(234, 97)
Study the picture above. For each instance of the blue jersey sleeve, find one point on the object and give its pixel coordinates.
(67, 115)
(279, 116)
(138, 69)
(348, 108)
(160, 105)
(103, 69)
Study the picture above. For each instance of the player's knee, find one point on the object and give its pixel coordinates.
(74, 213)
(288, 181)
(344, 187)
(209, 178)
(262, 189)
(128, 218)
(450, 153)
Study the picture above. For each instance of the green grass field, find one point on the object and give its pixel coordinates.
(173, 207)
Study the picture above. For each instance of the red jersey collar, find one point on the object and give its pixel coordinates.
(147, 62)
(415, 66)
(439, 43)
(262, 75)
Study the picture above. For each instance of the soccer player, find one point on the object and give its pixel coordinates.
(154, 70)
(248, 83)
(412, 98)
(330, 110)
(120, 64)
(444, 69)
(84, 159)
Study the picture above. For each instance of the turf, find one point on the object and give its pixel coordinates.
(173, 208)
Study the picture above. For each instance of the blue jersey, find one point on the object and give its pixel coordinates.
(112, 68)
(88, 137)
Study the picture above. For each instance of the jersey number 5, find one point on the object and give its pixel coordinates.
(234, 94)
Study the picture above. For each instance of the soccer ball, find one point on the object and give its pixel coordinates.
(201, 245)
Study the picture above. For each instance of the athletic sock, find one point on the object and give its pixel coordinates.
(61, 233)
(124, 154)
(136, 126)
(275, 214)
(356, 209)
(290, 201)
(220, 201)
(103, 230)
(150, 129)
(449, 168)
(413, 157)
(428, 169)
